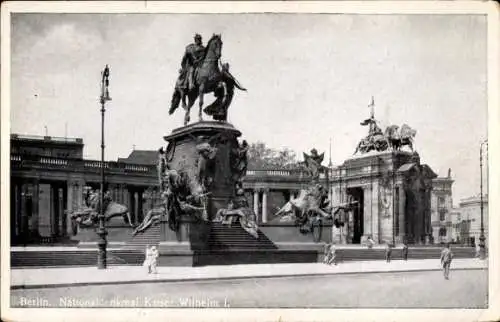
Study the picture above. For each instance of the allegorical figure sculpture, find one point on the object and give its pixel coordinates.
(239, 209)
(239, 161)
(206, 164)
(312, 203)
(200, 74)
(313, 165)
(180, 192)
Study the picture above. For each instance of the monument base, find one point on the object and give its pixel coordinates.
(215, 171)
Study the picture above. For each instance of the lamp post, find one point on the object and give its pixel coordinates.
(101, 232)
(482, 238)
(393, 199)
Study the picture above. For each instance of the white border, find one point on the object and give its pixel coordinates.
(369, 7)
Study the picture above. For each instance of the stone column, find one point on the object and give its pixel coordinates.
(116, 194)
(264, 205)
(402, 215)
(69, 206)
(256, 202)
(123, 196)
(136, 206)
(376, 211)
(23, 222)
(367, 213)
(35, 200)
(17, 209)
(61, 220)
(79, 193)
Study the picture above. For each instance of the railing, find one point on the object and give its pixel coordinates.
(19, 161)
(275, 173)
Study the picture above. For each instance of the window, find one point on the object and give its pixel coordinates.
(441, 200)
(442, 214)
(442, 232)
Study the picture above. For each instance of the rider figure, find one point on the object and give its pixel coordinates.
(193, 57)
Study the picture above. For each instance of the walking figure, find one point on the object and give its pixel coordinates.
(446, 257)
(370, 242)
(326, 252)
(388, 251)
(151, 260)
(405, 251)
(330, 254)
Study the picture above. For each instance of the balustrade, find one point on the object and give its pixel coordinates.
(87, 165)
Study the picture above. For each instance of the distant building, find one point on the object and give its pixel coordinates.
(48, 146)
(441, 208)
(469, 221)
(457, 235)
(149, 157)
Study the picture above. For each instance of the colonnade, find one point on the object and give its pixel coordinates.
(261, 198)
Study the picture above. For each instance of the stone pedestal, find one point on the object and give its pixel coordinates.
(339, 235)
(182, 155)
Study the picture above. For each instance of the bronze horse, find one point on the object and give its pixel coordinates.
(399, 137)
(209, 78)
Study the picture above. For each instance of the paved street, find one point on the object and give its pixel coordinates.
(465, 289)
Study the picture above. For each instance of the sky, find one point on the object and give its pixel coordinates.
(310, 79)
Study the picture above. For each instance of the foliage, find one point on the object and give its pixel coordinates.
(262, 157)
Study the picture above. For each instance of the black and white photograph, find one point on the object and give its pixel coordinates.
(210, 157)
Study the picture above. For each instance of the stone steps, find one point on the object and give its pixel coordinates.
(150, 236)
(226, 237)
(73, 258)
(232, 255)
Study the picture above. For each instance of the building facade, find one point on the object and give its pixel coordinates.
(441, 209)
(397, 197)
(469, 219)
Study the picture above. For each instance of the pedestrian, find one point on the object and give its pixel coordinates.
(388, 251)
(370, 242)
(147, 258)
(446, 257)
(332, 255)
(326, 253)
(154, 259)
(478, 251)
(405, 251)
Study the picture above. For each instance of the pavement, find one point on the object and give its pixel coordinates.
(115, 275)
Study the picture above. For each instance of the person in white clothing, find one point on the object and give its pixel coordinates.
(154, 259)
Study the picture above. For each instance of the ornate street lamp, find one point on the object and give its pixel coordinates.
(101, 232)
(482, 238)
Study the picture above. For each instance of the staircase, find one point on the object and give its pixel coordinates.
(233, 237)
(232, 245)
(150, 236)
(356, 254)
(64, 258)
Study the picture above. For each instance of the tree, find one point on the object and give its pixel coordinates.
(262, 157)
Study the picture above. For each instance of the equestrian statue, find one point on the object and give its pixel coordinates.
(200, 74)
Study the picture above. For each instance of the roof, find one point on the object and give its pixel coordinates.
(45, 139)
(148, 157)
